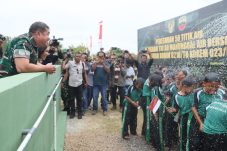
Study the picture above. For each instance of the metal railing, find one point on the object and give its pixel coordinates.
(30, 132)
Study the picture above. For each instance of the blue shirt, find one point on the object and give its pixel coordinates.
(100, 76)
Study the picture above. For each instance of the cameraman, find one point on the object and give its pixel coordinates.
(54, 55)
(54, 52)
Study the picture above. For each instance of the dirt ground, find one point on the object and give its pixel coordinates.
(102, 133)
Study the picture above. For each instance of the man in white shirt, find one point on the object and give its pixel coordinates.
(75, 71)
(130, 74)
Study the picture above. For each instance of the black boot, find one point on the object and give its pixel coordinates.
(72, 113)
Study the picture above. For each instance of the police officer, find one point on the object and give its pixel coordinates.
(22, 53)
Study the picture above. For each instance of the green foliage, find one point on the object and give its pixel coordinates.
(117, 51)
(80, 48)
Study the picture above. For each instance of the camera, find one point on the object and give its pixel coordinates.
(68, 55)
(55, 41)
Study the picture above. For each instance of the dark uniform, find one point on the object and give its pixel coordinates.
(20, 47)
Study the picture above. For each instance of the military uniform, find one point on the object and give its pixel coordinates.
(20, 47)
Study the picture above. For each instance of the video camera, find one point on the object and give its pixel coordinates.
(55, 41)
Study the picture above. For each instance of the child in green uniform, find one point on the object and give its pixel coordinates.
(145, 97)
(156, 120)
(171, 135)
(202, 99)
(183, 101)
(131, 103)
(215, 126)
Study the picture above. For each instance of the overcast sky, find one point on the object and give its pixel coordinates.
(77, 20)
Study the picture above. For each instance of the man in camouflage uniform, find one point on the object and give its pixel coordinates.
(21, 55)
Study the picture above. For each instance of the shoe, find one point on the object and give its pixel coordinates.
(71, 116)
(79, 116)
(125, 136)
(94, 112)
(104, 113)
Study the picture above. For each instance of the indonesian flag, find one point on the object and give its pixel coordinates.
(155, 104)
(90, 43)
(100, 30)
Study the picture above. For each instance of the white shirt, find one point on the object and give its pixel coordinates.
(129, 72)
(75, 73)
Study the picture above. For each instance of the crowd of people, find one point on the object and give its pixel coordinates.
(180, 111)
(109, 75)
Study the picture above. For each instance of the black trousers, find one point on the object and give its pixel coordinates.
(171, 133)
(75, 92)
(143, 105)
(131, 120)
(196, 140)
(155, 140)
(114, 94)
(184, 131)
(215, 142)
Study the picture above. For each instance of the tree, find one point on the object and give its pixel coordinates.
(80, 48)
(117, 51)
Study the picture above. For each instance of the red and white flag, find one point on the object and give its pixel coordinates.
(100, 30)
(155, 104)
(90, 43)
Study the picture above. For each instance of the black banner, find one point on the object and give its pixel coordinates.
(197, 40)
